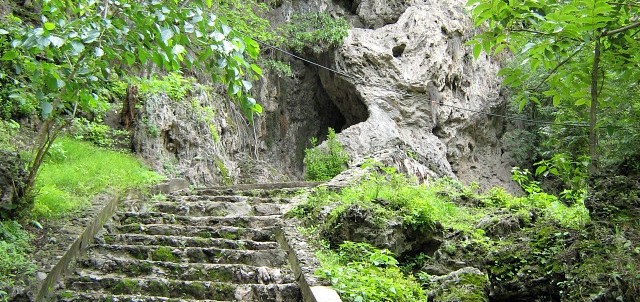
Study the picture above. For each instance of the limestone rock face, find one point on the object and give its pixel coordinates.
(202, 138)
(423, 91)
(411, 99)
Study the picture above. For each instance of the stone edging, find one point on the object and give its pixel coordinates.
(303, 264)
(45, 289)
(79, 245)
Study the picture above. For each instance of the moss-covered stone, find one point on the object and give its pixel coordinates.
(125, 287)
(164, 253)
(468, 284)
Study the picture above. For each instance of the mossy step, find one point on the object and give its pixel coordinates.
(215, 208)
(233, 273)
(228, 198)
(282, 192)
(74, 296)
(186, 289)
(184, 241)
(164, 218)
(227, 232)
(272, 257)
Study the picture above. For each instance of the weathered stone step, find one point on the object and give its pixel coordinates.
(182, 241)
(164, 218)
(186, 289)
(227, 232)
(74, 296)
(277, 192)
(233, 273)
(228, 198)
(214, 208)
(273, 257)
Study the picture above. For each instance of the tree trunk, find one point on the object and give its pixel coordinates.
(593, 134)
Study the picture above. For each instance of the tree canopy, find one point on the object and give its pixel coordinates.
(581, 56)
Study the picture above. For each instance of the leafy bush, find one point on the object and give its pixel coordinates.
(15, 266)
(317, 32)
(360, 272)
(96, 132)
(67, 185)
(325, 163)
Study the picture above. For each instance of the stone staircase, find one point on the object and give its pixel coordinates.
(206, 245)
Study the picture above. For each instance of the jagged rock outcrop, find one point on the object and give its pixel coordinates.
(414, 76)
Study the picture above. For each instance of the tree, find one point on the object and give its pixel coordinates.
(76, 47)
(581, 46)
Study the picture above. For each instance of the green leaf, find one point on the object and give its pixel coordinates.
(10, 55)
(3, 32)
(166, 34)
(77, 48)
(256, 69)
(581, 101)
(47, 109)
(49, 26)
(56, 41)
(98, 52)
(540, 170)
(91, 36)
(477, 48)
(178, 49)
(209, 3)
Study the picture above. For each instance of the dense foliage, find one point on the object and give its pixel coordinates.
(522, 245)
(573, 62)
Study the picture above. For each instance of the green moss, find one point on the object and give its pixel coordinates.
(66, 294)
(163, 253)
(195, 290)
(204, 234)
(158, 288)
(125, 287)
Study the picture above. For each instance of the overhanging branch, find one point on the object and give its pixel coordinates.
(621, 29)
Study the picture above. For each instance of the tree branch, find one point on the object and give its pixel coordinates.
(621, 29)
(565, 61)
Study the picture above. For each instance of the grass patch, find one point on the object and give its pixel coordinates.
(15, 266)
(67, 183)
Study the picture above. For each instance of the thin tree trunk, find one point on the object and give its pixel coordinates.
(593, 134)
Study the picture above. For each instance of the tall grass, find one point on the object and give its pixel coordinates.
(76, 171)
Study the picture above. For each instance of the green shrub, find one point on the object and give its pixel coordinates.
(94, 131)
(360, 272)
(325, 163)
(317, 32)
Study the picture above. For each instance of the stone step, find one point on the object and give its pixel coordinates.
(271, 257)
(74, 296)
(164, 218)
(226, 232)
(228, 198)
(233, 273)
(185, 289)
(215, 208)
(182, 241)
(279, 192)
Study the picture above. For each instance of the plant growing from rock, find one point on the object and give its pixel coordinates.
(323, 163)
(315, 32)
